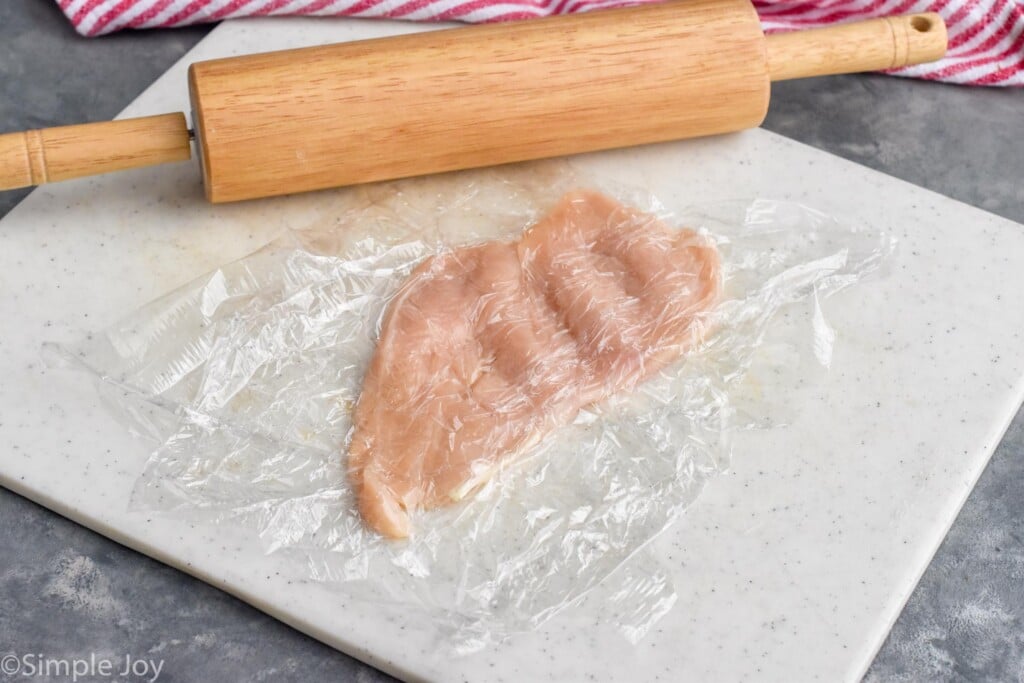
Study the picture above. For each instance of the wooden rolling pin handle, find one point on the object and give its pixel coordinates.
(859, 46)
(44, 156)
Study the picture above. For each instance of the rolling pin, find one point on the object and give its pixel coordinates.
(312, 118)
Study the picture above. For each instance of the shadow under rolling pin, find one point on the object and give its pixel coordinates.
(312, 118)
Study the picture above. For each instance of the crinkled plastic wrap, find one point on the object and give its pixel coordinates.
(538, 405)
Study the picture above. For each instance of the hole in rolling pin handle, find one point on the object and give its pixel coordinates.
(921, 24)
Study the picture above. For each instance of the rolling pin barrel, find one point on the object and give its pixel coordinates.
(477, 96)
(307, 119)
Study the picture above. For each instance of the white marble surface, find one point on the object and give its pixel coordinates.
(791, 568)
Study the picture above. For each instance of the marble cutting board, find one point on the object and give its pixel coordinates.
(791, 568)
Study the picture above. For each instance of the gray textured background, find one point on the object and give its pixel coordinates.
(66, 591)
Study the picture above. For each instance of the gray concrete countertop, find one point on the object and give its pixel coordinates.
(67, 592)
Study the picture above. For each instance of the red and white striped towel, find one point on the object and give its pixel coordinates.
(986, 37)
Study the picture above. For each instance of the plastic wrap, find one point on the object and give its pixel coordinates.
(539, 404)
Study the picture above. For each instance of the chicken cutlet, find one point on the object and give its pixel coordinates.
(487, 349)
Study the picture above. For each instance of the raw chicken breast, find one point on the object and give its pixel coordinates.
(487, 349)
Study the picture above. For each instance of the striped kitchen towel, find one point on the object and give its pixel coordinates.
(986, 37)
